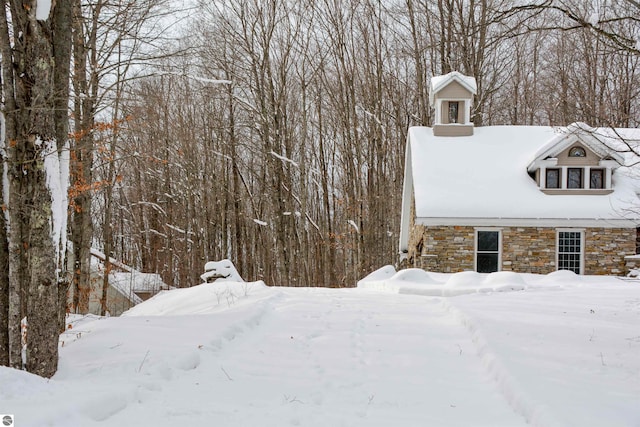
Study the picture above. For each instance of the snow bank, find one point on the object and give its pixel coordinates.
(419, 282)
(202, 299)
(15, 383)
(505, 281)
(382, 273)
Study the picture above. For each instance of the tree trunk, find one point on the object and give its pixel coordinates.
(42, 306)
(4, 278)
(82, 157)
(34, 89)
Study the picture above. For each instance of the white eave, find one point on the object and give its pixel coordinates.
(529, 222)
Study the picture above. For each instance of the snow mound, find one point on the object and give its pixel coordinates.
(470, 282)
(415, 275)
(410, 280)
(220, 271)
(504, 281)
(206, 298)
(16, 383)
(464, 279)
(419, 282)
(409, 275)
(562, 277)
(380, 274)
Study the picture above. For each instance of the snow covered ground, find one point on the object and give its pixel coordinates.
(399, 350)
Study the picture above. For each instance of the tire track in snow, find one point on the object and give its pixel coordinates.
(164, 373)
(320, 357)
(534, 413)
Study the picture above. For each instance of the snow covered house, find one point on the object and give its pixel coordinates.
(127, 286)
(521, 198)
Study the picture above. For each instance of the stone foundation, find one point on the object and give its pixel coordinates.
(450, 249)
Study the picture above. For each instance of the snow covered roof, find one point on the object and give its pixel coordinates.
(136, 281)
(129, 280)
(483, 180)
(439, 82)
(124, 286)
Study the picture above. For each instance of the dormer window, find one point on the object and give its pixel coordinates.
(596, 178)
(574, 178)
(581, 180)
(575, 164)
(577, 152)
(553, 178)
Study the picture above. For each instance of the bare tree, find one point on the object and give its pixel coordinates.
(292, 167)
(111, 39)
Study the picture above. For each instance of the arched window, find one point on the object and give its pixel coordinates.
(577, 152)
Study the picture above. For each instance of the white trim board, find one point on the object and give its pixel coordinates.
(528, 222)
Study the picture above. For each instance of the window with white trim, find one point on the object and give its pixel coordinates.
(574, 177)
(488, 248)
(552, 178)
(596, 178)
(570, 250)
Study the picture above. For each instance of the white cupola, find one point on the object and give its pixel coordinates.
(451, 96)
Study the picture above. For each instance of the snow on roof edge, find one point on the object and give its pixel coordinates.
(439, 82)
(567, 135)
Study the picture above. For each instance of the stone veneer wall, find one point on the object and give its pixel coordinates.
(606, 249)
(524, 249)
(529, 249)
(444, 249)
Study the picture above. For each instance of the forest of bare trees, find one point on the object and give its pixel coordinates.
(271, 133)
(277, 140)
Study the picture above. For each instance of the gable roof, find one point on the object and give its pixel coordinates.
(482, 180)
(439, 82)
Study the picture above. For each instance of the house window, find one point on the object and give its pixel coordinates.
(570, 251)
(453, 111)
(596, 178)
(574, 178)
(487, 251)
(552, 178)
(577, 152)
